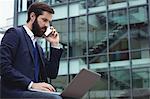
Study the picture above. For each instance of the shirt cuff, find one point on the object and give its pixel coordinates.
(59, 46)
(30, 85)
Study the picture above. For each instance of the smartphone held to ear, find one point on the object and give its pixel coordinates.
(48, 31)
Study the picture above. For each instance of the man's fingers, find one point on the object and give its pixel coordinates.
(45, 89)
(49, 87)
(54, 34)
(52, 88)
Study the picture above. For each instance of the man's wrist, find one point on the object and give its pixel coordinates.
(58, 46)
(30, 85)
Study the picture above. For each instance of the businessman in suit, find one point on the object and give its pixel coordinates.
(23, 65)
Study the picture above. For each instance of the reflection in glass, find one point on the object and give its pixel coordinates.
(78, 36)
(76, 64)
(119, 60)
(23, 5)
(120, 83)
(136, 55)
(92, 5)
(96, 62)
(141, 78)
(140, 54)
(139, 28)
(74, 0)
(137, 2)
(58, 1)
(52, 2)
(115, 1)
(62, 30)
(82, 4)
(45, 1)
(97, 33)
(119, 56)
(140, 58)
(99, 64)
(118, 36)
(95, 3)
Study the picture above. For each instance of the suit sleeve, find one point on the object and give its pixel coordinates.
(8, 50)
(52, 66)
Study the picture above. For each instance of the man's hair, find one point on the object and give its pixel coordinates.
(38, 8)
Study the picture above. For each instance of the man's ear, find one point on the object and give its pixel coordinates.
(32, 17)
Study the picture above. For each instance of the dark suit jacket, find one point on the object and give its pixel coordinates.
(17, 62)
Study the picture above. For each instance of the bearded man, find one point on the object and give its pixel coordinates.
(23, 65)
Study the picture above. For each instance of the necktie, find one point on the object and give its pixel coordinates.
(36, 58)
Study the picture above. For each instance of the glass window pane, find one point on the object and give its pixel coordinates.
(141, 78)
(139, 28)
(137, 2)
(119, 60)
(140, 54)
(24, 5)
(74, 0)
(141, 58)
(98, 62)
(119, 56)
(45, 1)
(19, 5)
(120, 84)
(116, 4)
(52, 2)
(82, 7)
(96, 6)
(118, 35)
(115, 1)
(77, 8)
(62, 30)
(97, 33)
(100, 90)
(76, 64)
(77, 36)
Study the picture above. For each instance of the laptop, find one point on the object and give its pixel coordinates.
(81, 83)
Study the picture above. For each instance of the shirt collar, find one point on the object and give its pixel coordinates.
(30, 33)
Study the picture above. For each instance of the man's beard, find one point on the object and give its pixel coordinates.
(37, 30)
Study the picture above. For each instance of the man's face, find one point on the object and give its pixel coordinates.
(41, 23)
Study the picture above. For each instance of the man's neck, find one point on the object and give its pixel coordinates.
(29, 25)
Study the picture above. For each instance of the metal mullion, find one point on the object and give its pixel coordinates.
(108, 61)
(87, 39)
(129, 48)
(149, 19)
(15, 19)
(68, 30)
(87, 36)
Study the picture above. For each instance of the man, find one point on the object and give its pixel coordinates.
(23, 66)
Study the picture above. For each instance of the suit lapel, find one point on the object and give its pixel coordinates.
(30, 44)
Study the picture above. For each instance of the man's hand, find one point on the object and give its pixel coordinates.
(43, 86)
(53, 38)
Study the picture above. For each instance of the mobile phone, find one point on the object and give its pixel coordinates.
(48, 31)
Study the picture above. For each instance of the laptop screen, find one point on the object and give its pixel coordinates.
(82, 82)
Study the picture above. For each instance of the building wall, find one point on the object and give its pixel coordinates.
(110, 37)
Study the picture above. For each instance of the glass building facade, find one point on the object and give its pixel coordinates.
(110, 37)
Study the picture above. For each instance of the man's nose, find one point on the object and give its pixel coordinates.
(47, 24)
